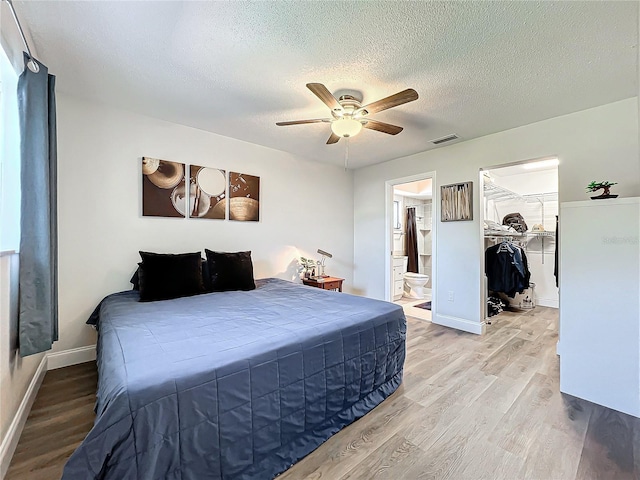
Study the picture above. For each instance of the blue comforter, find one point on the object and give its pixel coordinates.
(235, 384)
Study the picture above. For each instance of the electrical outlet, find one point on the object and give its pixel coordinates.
(450, 296)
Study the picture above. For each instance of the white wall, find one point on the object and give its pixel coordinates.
(16, 374)
(595, 144)
(304, 206)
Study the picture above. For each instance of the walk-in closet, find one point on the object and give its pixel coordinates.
(520, 207)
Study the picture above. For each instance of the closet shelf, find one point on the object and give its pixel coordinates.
(492, 234)
(542, 234)
(498, 193)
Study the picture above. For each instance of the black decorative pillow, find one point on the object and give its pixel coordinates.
(135, 279)
(166, 276)
(230, 271)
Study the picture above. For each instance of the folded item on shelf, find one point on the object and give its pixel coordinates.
(516, 221)
(493, 226)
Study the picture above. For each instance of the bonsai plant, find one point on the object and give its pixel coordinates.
(307, 265)
(605, 186)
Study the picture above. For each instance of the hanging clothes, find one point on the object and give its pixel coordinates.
(411, 241)
(507, 268)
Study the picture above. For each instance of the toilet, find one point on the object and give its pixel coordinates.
(415, 282)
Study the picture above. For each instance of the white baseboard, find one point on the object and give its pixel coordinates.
(10, 441)
(459, 324)
(74, 356)
(548, 302)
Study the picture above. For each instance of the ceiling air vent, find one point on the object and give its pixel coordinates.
(444, 139)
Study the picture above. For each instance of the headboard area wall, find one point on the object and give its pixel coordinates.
(101, 227)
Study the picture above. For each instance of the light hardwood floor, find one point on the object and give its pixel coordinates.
(470, 407)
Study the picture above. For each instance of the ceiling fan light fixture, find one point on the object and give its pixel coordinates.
(349, 116)
(346, 127)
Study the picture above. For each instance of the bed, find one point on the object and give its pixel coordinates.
(233, 384)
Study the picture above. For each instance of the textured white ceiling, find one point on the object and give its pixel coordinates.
(235, 68)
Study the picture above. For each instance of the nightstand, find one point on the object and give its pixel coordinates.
(327, 283)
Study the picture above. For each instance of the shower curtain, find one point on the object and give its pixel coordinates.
(411, 241)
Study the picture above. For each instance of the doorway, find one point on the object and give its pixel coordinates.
(411, 244)
(520, 213)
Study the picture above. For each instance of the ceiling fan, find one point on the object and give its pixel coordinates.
(349, 116)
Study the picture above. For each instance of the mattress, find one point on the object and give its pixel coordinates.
(233, 385)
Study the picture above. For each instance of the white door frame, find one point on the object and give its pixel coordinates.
(389, 184)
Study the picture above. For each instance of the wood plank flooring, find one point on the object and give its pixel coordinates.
(470, 407)
(60, 418)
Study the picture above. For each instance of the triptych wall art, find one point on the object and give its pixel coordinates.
(165, 184)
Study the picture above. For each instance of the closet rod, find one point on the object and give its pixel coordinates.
(33, 66)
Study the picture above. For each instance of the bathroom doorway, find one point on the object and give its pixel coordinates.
(411, 244)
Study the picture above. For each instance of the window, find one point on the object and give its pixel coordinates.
(9, 157)
(396, 215)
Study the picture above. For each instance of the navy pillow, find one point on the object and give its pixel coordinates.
(230, 271)
(167, 276)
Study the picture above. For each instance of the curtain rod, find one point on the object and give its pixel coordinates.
(33, 66)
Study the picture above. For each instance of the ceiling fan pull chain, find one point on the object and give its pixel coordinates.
(346, 154)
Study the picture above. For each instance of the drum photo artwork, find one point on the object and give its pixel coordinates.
(244, 197)
(207, 192)
(163, 188)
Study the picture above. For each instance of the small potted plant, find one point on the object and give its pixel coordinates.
(605, 186)
(307, 266)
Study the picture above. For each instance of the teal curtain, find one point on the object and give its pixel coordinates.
(38, 297)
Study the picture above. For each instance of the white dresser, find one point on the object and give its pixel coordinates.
(599, 302)
(399, 269)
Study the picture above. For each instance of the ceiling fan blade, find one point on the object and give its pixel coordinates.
(405, 96)
(325, 95)
(300, 122)
(382, 127)
(333, 139)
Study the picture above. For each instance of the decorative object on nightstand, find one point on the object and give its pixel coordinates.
(325, 283)
(604, 186)
(325, 255)
(307, 266)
